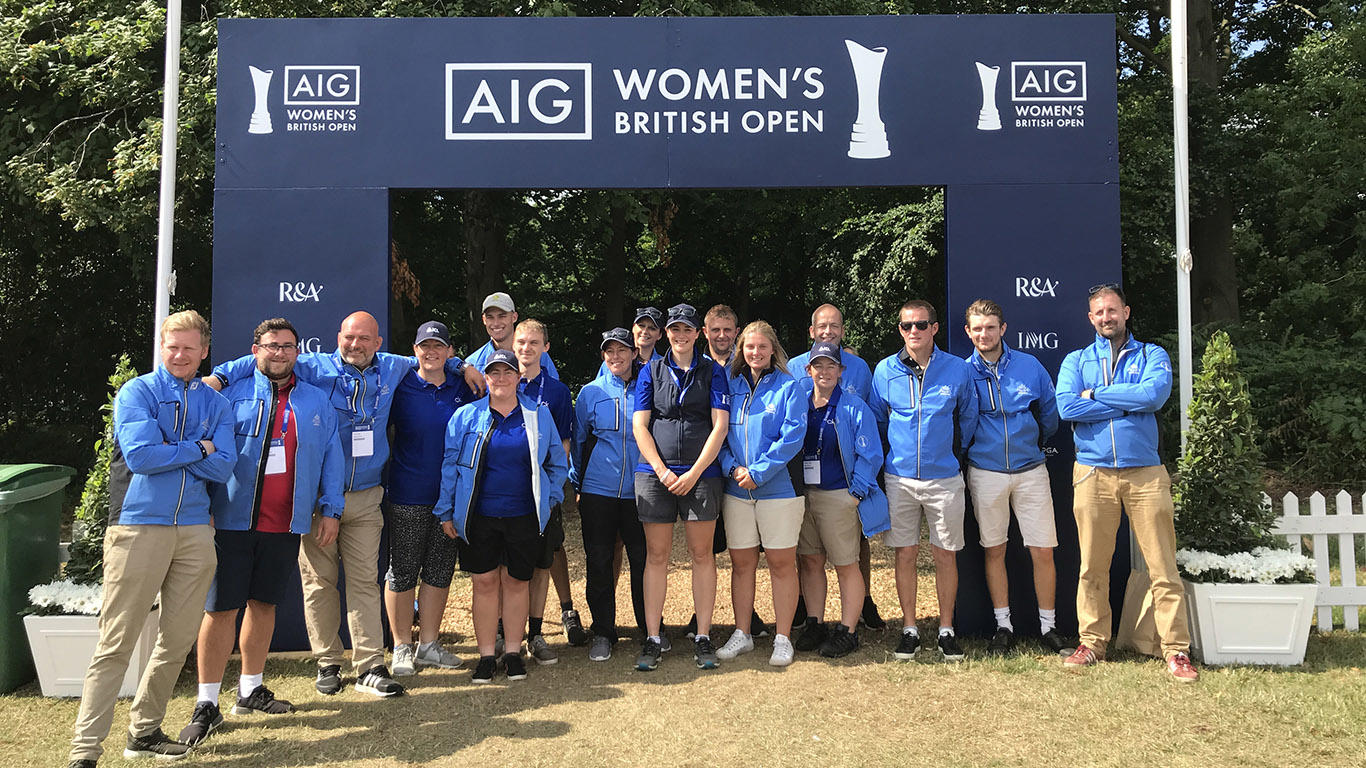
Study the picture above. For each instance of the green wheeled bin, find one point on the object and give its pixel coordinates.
(30, 522)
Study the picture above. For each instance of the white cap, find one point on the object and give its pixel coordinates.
(500, 300)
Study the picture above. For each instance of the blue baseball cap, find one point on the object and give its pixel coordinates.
(827, 350)
(432, 330)
(653, 314)
(619, 335)
(503, 356)
(683, 313)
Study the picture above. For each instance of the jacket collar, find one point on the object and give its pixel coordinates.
(165, 379)
(904, 357)
(1001, 362)
(1102, 344)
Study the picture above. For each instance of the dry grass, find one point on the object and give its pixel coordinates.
(863, 710)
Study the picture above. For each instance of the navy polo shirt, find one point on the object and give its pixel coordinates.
(419, 415)
(822, 443)
(645, 401)
(505, 488)
(553, 394)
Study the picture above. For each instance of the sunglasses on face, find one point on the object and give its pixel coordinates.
(919, 325)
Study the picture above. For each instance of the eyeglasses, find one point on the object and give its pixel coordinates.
(1093, 290)
(919, 325)
(277, 348)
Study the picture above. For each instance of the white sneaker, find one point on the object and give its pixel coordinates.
(738, 643)
(782, 651)
(405, 660)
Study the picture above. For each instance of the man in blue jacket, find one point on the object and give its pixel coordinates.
(173, 438)
(1017, 413)
(289, 461)
(499, 314)
(360, 382)
(1111, 392)
(924, 403)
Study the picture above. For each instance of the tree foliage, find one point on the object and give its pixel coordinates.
(86, 564)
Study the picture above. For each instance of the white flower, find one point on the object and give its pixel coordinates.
(1260, 566)
(67, 597)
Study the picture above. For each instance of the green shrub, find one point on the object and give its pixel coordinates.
(1218, 491)
(86, 564)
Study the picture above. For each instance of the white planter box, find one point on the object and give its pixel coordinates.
(62, 647)
(1250, 623)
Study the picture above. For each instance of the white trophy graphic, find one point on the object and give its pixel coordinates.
(260, 114)
(988, 119)
(868, 139)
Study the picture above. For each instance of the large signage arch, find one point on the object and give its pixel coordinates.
(1016, 116)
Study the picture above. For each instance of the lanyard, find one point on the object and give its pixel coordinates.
(828, 421)
(540, 388)
(681, 376)
(355, 383)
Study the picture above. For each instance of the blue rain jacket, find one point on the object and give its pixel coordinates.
(925, 424)
(1117, 427)
(767, 429)
(1017, 411)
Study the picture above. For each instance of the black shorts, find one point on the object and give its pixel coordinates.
(512, 542)
(252, 566)
(554, 537)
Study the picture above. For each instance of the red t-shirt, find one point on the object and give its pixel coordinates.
(276, 509)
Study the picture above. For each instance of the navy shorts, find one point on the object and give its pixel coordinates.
(553, 538)
(512, 542)
(252, 566)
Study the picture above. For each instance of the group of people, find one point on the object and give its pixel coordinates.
(283, 460)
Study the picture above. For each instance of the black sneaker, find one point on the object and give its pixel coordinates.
(757, 627)
(871, 618)
(155, 744)
(704, 653)
(377, 682)
(514, 666)
(329, 679)
(206, 719)
(948, 645)
(261, 700)
(485, 670)
(800, 616)
(1001, 642)
(905, 650)
(573, 627)
(1057, 643)
(839, 642)
(81, 764)
(648, 659)
(812, 636)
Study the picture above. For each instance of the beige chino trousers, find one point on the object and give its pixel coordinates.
(357, 546)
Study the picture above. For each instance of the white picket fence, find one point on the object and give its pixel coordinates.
(1344, 524)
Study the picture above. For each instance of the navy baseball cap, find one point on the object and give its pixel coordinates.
(432, 330)
(619, 335)
(683, 313)
(503, 356)
(652, 313)
(826, 350)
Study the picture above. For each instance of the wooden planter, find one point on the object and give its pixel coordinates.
(62, 647)
(1250, 623)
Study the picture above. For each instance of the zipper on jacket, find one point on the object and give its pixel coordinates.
(181, 416)
(357, 407)
(745, 410)
(1001, 403)
(478, 470)
(1108, 378)
(621, 423)
(265, 453)
(917, 395)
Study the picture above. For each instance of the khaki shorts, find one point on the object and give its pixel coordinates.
(831, 526)
(775, 523)
(939, 501)
(994, 494)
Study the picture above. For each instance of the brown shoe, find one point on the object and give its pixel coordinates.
(1179, 664)
(1083, 657)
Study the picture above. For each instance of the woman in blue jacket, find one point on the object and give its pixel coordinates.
(602, 469)
(503, 468)
(841, 455)
(761, 506)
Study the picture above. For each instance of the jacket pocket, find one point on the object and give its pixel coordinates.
(607, 415)
(247, 416)
(986, 397)
(469, 450)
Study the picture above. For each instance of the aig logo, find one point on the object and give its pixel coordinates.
(322, 86)
(295, 293)
(1035, 287)
(1048, 81)
(1035, 340)
(529, 102)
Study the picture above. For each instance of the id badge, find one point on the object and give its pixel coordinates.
(362, 442)
(811, 471)
(275, 460)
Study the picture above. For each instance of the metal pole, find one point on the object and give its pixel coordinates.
(166, 212)
(1181, 152)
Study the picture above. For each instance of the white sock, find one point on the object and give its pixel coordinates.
(704, 637)
(1048, 619)
(424, 647)
(946, 631)
(209, 691)
(248, 683)
(1003, 618)
(654, 638)
(912, 630)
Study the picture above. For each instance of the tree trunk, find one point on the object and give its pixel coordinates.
(485, 247)
(613, 310)
(1214, 279)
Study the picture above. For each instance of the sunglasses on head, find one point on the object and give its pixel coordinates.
(1093, 290)
(919, 325)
